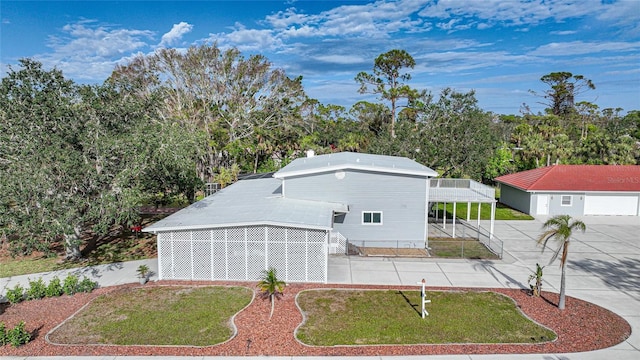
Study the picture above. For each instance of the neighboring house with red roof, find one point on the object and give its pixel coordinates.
(574, 190)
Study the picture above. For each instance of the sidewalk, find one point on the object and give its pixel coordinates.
(603, 268)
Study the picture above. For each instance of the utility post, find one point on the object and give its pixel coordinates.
(423, 295)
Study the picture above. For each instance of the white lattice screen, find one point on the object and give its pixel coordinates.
(243, 253)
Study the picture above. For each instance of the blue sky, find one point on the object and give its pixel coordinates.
(500, 49)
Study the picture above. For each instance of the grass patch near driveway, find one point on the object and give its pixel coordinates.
(375, 317)
(459, 248)
(165, 315)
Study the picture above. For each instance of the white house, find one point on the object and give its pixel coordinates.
(294, 219)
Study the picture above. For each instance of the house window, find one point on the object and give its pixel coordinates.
(372, 217)
(566, 200)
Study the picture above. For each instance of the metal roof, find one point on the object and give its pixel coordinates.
(355, 161)
(251, 202)
(576, 178)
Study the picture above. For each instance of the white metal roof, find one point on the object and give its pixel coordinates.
(356, 161)
(251, 202)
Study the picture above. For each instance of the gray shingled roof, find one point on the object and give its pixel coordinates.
(356, 161)
(251, 202)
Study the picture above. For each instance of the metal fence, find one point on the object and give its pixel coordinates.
(465, 230)
(243, 253)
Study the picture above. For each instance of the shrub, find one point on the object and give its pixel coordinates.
(37, 289)
(3, 335)
(86, 285)
(70, 285)
(18, 335)
(54, 288)
(16, 294)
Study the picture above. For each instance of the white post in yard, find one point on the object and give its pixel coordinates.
(423, 295)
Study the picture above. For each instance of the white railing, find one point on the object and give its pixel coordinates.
(460, 190)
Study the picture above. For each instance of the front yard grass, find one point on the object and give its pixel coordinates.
(197, 316)
(374, 317)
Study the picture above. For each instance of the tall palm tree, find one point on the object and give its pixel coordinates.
(560, 228)
(271, 287)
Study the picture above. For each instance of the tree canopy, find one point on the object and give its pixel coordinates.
(77, 161)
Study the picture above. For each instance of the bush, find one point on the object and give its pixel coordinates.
(18, 335)
(86, 285)
(37, 289)
(3, 335)
(54, 288)
(70, 285)
(16, 294)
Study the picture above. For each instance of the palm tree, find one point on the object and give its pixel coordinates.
(560, 228)
(271, 287)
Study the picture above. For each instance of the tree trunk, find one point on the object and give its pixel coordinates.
(561, 302)
(272, 305)
(72, 244)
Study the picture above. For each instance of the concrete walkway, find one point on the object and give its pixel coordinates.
(603, 268)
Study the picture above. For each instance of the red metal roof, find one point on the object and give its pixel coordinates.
(576, 178)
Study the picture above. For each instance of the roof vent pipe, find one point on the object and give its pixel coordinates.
(311, 153)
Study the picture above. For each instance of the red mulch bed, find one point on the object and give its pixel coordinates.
(582, 326)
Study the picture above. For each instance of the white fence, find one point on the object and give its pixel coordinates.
(337, 243)
(243, 253)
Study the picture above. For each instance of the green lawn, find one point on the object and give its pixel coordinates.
(459, 248)
(360, 317)
(503, 212)
(105, 254)
(125, 246)
(197, 316)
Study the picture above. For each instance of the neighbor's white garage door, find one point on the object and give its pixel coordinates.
(610, 205)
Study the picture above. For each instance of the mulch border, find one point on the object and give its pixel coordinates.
(582, 326)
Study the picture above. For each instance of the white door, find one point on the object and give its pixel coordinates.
(543, 205)
(610, 205)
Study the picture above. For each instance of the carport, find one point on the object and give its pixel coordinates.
(467, 191)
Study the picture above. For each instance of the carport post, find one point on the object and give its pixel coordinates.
(453, 221)
(444, 216)
(478, 225)
(493, 217)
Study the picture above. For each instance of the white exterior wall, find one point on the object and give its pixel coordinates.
(401, 199)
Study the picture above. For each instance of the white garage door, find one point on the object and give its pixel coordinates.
(610, 205)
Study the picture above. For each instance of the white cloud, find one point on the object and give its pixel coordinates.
(580, 48)
(248, 39)
(88, 52)
(514, 13)
(565, 32)
(176, 33)
(341, 59)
